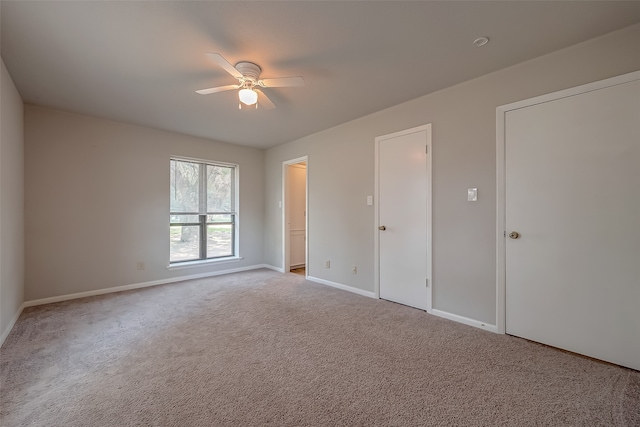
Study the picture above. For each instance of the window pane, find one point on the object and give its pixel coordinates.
(185, 242)
(219, 241)
(219, 218)
(184, 186)
(220, 191)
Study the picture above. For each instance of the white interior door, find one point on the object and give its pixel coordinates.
(573, 195)
(402, 217)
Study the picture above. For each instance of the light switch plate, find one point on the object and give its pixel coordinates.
(472, 194)
(369, 200)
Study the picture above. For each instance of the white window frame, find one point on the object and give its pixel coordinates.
(202, 214)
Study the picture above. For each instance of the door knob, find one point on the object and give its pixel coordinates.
(514, 235)
(382, 228)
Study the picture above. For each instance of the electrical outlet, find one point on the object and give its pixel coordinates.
(327, 264)
(354, 270)
(140, 265)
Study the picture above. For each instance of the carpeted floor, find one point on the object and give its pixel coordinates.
(263, 348)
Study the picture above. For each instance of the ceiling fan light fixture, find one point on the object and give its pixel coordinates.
(249, 82)
(248, 96)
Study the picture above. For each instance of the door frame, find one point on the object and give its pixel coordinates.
(376, 209)
(501, 183)
(286, 264)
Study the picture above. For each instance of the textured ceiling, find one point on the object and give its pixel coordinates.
(140, 62)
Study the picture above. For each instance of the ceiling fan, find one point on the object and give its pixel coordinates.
(249, 82)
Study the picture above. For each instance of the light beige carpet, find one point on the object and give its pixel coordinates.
(264, 348)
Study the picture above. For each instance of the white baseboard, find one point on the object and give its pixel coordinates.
(271, 267)
(137, 286)
(341, 286)
(465, 320)
(11, 324)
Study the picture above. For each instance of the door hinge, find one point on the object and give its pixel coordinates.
(426, 282)
(426, 149)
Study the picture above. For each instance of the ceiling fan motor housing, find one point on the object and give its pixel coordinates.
(249, 70)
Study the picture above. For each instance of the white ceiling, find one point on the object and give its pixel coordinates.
(140, 62)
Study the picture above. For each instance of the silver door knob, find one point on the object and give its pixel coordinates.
(514, 235)
(382, 228)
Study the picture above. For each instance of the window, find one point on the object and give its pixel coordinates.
(203, 213)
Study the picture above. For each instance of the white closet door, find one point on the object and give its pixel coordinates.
(573, 195)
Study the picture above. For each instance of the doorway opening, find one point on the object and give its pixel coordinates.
(295, 215)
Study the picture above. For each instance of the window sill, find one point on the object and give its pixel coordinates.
(203, 263)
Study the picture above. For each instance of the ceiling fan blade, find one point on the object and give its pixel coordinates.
(283, 82)
(264, 100)
(217, 89)
(219, 59)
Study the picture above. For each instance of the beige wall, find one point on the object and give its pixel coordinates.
(11, 203)
(97, 202)
(341, 174)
